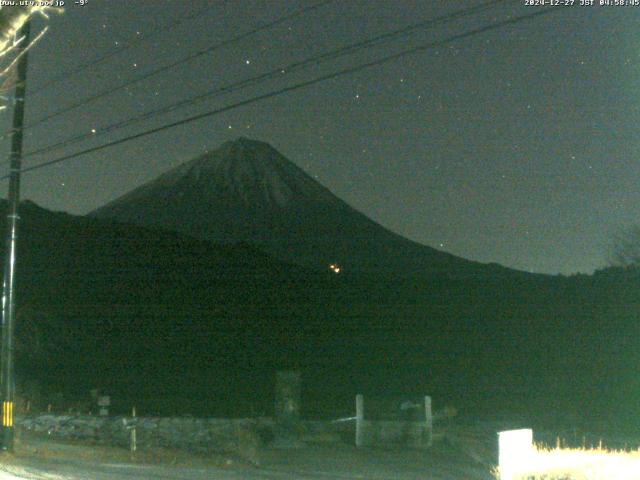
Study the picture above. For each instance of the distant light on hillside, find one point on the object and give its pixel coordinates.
(335, 268)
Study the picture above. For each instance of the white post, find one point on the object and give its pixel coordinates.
(134, 445)
(515, 452)
(359, 419)
(428, 420)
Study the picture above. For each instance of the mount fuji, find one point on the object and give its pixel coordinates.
(246, 191)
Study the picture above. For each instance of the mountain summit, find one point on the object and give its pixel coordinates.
(246, 191)
(241, 174)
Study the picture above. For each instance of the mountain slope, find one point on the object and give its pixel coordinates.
(247, 191)
(136, 311)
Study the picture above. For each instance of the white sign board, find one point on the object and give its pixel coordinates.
(516, 449)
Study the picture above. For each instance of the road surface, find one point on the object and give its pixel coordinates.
(319, 462)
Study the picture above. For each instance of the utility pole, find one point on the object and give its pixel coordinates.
(7, 373)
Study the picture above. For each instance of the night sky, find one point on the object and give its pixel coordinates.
(518, 146)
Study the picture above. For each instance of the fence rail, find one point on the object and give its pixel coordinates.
(411, 424)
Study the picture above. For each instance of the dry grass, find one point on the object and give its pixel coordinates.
(542, 463)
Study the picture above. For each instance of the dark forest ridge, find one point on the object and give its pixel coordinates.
(163, 320)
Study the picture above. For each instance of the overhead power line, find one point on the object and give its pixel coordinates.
(173, 65)
(277, 72)
(126, 46)
(297, 86)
